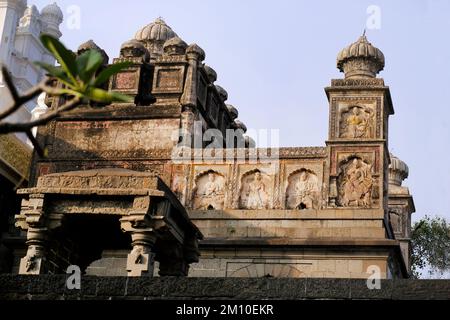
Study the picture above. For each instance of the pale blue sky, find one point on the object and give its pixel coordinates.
(275, 57)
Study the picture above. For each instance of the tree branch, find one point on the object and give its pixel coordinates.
(19, 100)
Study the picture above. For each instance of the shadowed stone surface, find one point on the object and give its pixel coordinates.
(52, 287)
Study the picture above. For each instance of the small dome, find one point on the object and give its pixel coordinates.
(175, 46)
(360, 60)
(195, 49)
(211, 73)
(157, 30)
(134, 48)
(91, 45)
(222, 93)
(154, 35)
(240, 125)
(233, 111)
(52, 10)
(398, 171)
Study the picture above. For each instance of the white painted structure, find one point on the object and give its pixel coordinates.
(20, 28)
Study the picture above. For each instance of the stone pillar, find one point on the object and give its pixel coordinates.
(141, 260)
(195, 55)
(35, 260)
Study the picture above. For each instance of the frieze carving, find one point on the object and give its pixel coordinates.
(303, 191)
(357, 82)
(357, 121)
(209, 192)
(355, 183)
(99, 179)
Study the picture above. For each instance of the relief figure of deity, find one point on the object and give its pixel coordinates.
(356, 184)
(303, 192)
(256, 193)
(358, 123)
(210, 194)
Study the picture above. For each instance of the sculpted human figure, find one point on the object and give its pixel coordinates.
(357, 184)
(256, 193)
(212, 195)
(305, 191)
(358, 125)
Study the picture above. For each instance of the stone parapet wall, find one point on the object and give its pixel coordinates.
(13, 287)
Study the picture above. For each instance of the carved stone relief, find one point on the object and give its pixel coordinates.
(255, 190)
(209, 192)
(303, 191)
(355, 183)
(357, 121)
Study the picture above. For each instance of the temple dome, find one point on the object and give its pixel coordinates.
(360, 60)
(398, 171)
(154, 35)
(53, 10)
(52, 17)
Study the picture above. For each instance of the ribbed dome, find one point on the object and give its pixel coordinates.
(360, 59)
(52, 10)
(157, 30)
(154, 35)
(398, 171)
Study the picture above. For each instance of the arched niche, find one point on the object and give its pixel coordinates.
(303, 190)
(255, 190)
(209, 191)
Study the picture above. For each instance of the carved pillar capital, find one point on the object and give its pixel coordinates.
(35, 260)
(141, 259)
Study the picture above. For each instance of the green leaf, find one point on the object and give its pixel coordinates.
(65, 57)
(56, 72)
(88, 63)
(110, 71)
(100, 95)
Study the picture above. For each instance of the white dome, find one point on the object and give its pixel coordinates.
(53, 11)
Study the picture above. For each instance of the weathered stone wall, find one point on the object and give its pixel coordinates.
(54, 287)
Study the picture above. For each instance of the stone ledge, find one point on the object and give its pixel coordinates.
(14, 287)
(278, 214)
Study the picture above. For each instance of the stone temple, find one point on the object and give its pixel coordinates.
(125, 190)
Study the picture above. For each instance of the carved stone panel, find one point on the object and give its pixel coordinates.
(303, 191)
(356, 118)
(355, 183)
(168, 79)
(209, 191)
(357, 122)
(112, 139)
(256, 190)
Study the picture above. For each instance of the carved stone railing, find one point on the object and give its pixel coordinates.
(159, 226)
